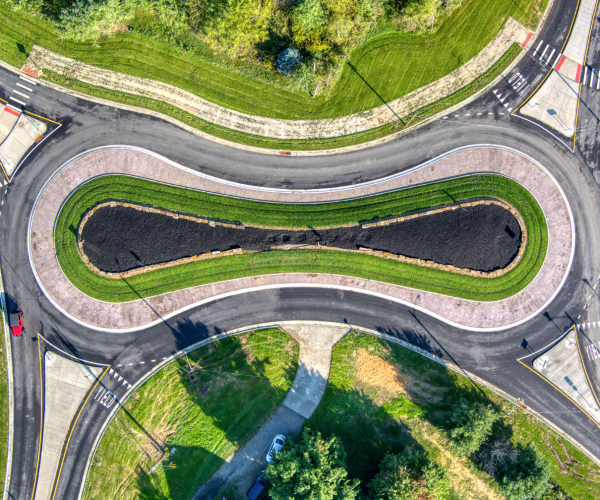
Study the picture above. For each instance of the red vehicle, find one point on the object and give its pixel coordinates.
(16, 322)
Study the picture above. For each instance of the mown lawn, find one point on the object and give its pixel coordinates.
(386, 67)
(382, 397)
(299, 215)
(285, 144)
(240, 382)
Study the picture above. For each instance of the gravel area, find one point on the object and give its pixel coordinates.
(482, 238)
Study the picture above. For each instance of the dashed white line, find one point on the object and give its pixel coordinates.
(23, 87)
(130, 364)
(154, 361)
(142, 362)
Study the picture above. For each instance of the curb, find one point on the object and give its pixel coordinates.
(282, 325)
(11, 407)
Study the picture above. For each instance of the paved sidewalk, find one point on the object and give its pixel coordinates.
(562, 366)
(555, 102)
(316, 343)
(66, 384)
(512, 32)
(464, 313)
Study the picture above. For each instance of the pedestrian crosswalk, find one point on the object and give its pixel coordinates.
(519, 83)
(105, 397)
(590, 78)
(548, 55)
(593, 352)
(22, 94)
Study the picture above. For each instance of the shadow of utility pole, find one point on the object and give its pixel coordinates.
(375, 92)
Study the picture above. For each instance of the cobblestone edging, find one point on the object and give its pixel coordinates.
(512, 32)
(362, 250)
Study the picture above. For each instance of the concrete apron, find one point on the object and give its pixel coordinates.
(563, 367)
(66, 384)
(555, 102)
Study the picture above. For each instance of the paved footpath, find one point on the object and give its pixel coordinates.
(460, 312)
(512, 32)
(316, 344)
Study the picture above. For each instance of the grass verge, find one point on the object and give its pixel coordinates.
(382, 398)
(283, 144)
(386, 67)
(299, 215)
(3, 408)
(240, 382)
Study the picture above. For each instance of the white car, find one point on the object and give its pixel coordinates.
(276, 446)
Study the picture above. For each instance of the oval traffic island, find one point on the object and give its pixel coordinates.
(502, 243)
(119, 237)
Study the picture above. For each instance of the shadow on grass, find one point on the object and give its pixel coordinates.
(231, 387)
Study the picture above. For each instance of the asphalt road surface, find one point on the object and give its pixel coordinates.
(490, 356)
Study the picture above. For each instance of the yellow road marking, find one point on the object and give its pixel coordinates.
(559, 390)
(584, 369)
(72, 429)
(37, 469)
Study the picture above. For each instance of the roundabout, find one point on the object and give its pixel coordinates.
(481, 325)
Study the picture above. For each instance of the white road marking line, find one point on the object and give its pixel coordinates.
(21, 94)
(502, 114)
(585, 76)
(468, 114)
(456, 116)
(550, 56)
(27, 80)
(128, 386)
(119, 365)
(594, 323)
(111, 371)
(538, 47)
(590, 296)
(587, 348)
(445, 117)
(23, 87)
(154, 361)
(545, 50)
(17, 100)
(478, 114)
(598, 84)
(142, 362)
(595, 286)
(514, 76)
(120, 378)
(557, 59)
(130, 364)
(115, 375)
(524, 90)
(585, 306)
(592, 80)
(579, 316)
(100, 393)
(598, 278)
(490, 113)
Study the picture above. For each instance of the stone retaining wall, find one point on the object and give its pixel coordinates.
(240, 251)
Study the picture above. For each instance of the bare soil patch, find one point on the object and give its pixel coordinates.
(482, 238)
(377, 372)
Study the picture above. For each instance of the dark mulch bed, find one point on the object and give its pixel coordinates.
(483, 238)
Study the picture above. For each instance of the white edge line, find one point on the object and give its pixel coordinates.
(11, 407)
(282, 324)
(549, 345)
(31, 151)
(79, 360)
(17, 100)
(308, 285)
(545, 130)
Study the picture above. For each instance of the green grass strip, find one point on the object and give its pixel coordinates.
(411, 61)
(288, 144)
(395, 203)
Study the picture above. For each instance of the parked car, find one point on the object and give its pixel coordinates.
(276, 446)
(16, 322)
(258, 487)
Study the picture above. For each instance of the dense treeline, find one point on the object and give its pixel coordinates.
(250, 32)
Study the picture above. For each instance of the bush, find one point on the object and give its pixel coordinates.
(287, 60)
(527, 477)
(469, 426)
(311, 469)
(409, 476)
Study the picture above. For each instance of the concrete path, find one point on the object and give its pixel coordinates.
(562, 366)
(66, 384)
(137, 314)
(512, 32)
(316, 343)
(555, 102)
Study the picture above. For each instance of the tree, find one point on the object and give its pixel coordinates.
(409, 476)
(527, 477)
(469, 426)
(311, 469)
(287, 60)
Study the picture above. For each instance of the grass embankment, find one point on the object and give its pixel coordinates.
(244, 380)
(382, 398)
(3, 407)
(386, 67)
(288, 215)
(283, 144)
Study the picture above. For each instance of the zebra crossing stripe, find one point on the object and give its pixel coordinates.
(545, 50)
(585, 76)
(550, 56)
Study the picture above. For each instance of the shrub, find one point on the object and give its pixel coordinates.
(469, 426)
(287, 60)
(527, 476)
(409, 476)
(311, 469)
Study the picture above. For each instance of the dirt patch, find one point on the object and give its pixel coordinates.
(376, 372)
(482, 238)
(249, 356)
